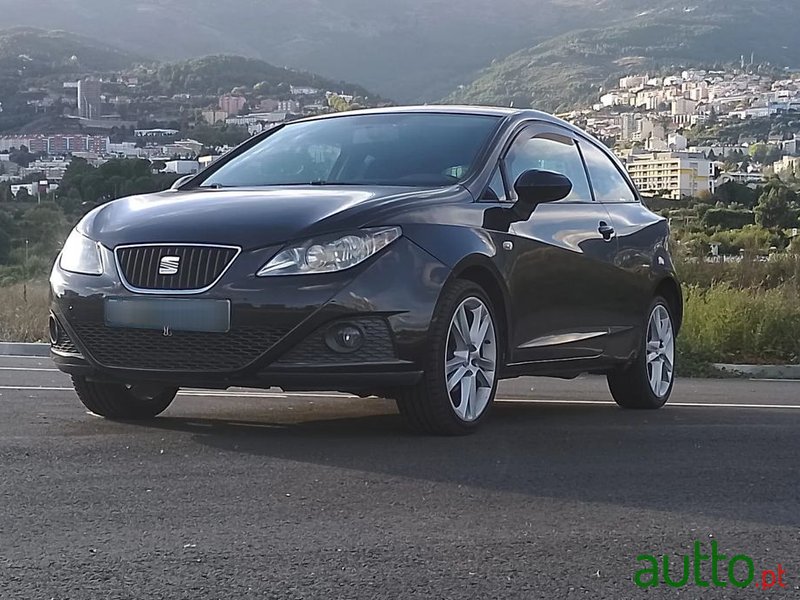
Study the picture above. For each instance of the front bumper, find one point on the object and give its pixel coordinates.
(277, 327)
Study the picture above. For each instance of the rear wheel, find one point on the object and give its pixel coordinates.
(647, 382)
(461, 365)
(121, 401)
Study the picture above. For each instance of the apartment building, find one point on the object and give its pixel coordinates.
(89, 98)
(57, 144)
(673, 174)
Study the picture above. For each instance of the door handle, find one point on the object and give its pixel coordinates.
(606, 230)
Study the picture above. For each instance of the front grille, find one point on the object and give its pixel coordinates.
(182, 351)
(378, 346)
(190, 268)
(64, 344)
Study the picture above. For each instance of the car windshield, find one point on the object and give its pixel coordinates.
(397, 149)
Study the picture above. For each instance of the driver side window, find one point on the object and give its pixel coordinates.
(549, 152)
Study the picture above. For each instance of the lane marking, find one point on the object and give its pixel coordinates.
(222, 394)
(40, 388)
(46, 388)
(680, 404)
(28, 369)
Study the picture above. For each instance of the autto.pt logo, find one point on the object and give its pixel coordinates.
(706, 567)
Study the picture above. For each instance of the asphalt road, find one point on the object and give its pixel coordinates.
(246, 494)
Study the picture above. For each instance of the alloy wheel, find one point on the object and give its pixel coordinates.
(470, 359)
(660, 351)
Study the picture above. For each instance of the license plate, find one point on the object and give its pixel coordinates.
(174, 314)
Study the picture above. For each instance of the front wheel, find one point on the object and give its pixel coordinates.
(647, 382)
(121, 401)
(461, 365)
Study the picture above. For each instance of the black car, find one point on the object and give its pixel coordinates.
(420, 254)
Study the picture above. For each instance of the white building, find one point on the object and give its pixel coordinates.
(634, 81)
(303, 90)
(675, 174)
(787, 166)
(751, 178)
(182, 167)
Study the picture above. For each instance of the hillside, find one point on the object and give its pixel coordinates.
(34, 52)
(410, 50)
(34, 63)
(220, 74)
(568, 69)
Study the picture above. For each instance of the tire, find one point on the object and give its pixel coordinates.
(120, 401)
(639, 386)
(429, 407)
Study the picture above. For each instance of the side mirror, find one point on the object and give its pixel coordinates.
(180, 181)
(535, 187)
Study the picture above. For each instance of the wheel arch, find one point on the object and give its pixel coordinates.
(669, 289)
(481, 271)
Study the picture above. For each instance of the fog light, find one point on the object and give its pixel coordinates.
(55, 331)
(344, 338)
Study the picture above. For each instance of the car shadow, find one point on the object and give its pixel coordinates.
(664, 460)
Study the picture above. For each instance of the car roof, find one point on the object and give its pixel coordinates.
(462, 109)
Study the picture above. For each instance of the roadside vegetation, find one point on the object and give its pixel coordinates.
(742, 305)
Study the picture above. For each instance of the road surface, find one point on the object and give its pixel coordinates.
(247, 494)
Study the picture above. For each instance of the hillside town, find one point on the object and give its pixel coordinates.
(679, 135)
(685, 134)
(117, 117)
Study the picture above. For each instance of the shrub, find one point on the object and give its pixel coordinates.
(728, 218)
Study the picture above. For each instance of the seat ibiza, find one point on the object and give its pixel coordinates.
(421, 254)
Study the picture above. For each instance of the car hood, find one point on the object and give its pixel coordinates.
(250, 218)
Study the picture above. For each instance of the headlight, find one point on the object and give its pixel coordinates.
(326, 255)
(80, 255)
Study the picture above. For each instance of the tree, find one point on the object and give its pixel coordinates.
(22, 157)
(5, 246)
(774, 209)
(5, 192)
(44, 227)
(736, 193)
(712, 118)
(23, 195)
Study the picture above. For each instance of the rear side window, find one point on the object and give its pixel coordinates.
(607, 182)
(549, 152)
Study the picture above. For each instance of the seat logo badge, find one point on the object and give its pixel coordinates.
(167, 332)
(168, 265)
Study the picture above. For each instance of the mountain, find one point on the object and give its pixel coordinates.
(552, 52)
(33, 60)
(409, 50)
(567, 70)
(29, 56)
(35, 52)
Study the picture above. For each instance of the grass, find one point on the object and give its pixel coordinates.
(24, 308)
(780, 270)
(743, 326)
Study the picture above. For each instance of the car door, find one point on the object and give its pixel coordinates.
(563, 255)
(641, 237)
